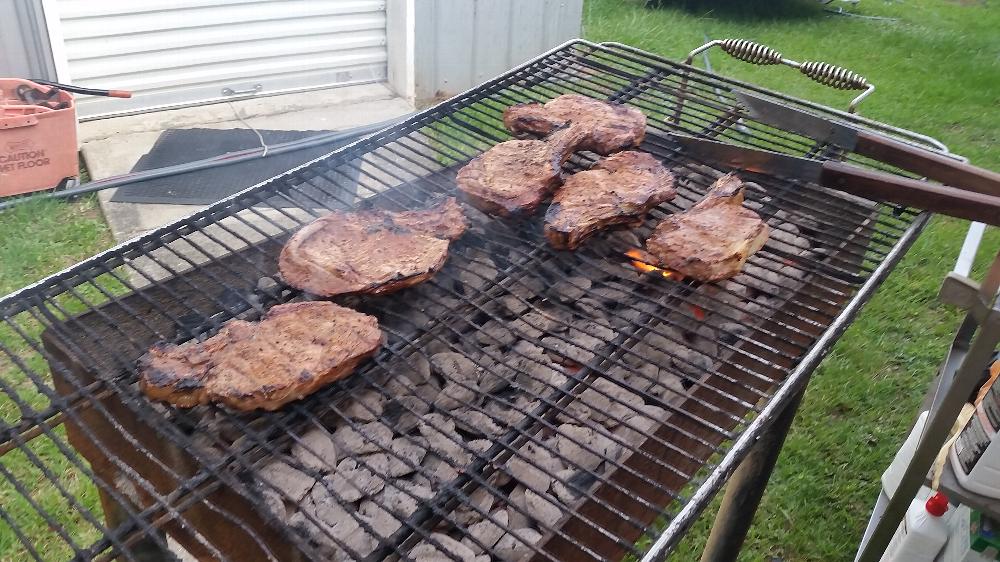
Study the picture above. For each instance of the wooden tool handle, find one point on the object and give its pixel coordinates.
(929, 164)
(881, 186)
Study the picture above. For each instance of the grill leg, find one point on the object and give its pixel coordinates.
(746, 488)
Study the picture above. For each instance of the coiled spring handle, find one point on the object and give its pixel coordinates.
(824, 73)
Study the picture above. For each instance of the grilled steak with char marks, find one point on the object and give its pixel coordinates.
(514, 177)
(371, 252)
(293, 351)
(618, 190)
(608, 127)
(712, 240)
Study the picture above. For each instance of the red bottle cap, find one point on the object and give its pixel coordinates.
(937, 504)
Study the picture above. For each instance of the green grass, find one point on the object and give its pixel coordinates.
(37, 239)
(937, 70)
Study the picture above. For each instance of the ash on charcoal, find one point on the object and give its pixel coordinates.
(730, 332)
(428, 391)
(454, 366)
(592, 403)
(473, 507)
(367, 438)
(316, 450)
(443, 440)
(502, 413)
(351, 482)
(514, 305)
(512, 546)
(364, 406)
(763, 280)
(476, 275)
(576, 350)
(417, 490)
(292, 484)
(532, 325)
(669, 387)
(591, 308)
(583, 447)
(485, 534)
(404, 412)
(441, 547)
(476, 422)
(517, 513)
(610, 292)
(565, 485)
(691, 362)
(417, 369)
(570, 289)
(626, 317)
(787, 239)
(457, 394)
(440, 306)
(480, 446)
(534, 468)
(636, 428)
(495, 333)
(640, 378)
(527, 286)
(543, 507)
(624, 404)
(406, 457)
(494, 375)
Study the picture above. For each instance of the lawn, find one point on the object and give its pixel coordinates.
(936, 64)
(937, 67)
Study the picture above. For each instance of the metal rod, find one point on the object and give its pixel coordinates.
(746, 488)
(227, 159)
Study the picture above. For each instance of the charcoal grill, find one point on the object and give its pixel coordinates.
(528, 403)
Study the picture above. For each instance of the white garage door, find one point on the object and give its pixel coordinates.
(171, 52)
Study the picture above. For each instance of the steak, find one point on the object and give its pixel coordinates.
(514, 177)
(712, 240)
(618, 190)
(371, 252)
(293, 351)
(608, 127)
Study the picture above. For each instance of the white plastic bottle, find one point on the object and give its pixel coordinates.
(922, 533)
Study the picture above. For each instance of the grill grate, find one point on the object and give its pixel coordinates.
(528, 403)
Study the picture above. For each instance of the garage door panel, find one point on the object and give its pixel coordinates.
(291, 81)
(150, 16)
(102, 46)
(235, 54)
(171, 53)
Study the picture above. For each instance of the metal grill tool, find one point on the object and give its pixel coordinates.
(528, 403)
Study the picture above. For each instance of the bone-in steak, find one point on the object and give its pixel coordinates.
(371, 252)
(713, 239)
(293, 351)
(609, 127)
(514, 177)
(618, 190)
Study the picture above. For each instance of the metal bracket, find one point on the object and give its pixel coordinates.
(256, 89)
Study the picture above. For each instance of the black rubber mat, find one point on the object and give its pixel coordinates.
(177, 146)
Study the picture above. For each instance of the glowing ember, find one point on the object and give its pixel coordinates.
(699, 312)
(645, 267)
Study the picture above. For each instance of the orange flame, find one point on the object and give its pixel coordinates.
(646, 267)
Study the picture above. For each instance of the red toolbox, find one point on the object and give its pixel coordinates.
(37, 136)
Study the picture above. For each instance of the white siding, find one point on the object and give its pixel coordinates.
(188, 51)
(461, 43)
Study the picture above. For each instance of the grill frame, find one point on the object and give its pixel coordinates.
(49, 287)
